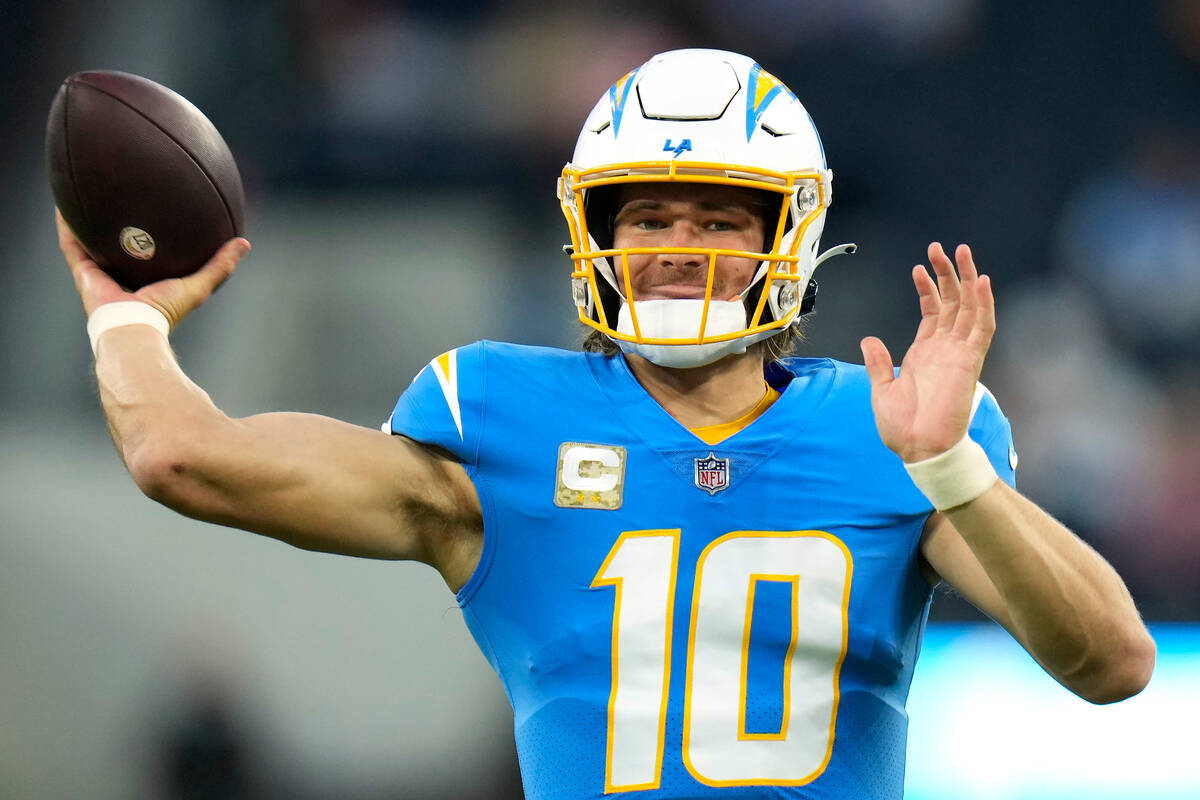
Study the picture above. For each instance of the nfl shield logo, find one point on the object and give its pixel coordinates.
(712, 473)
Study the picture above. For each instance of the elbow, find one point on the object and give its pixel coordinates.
(162, 467)
(1125, 672)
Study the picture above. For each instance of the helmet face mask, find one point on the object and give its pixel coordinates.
(702, 117)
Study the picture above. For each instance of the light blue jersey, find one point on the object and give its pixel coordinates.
(673, 619)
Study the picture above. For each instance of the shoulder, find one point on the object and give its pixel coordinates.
(985, 408)
(992, 430)
(796, 367)
(449, 398)
(839, 381)
(471, 367)
(531, 357)
(501, 370)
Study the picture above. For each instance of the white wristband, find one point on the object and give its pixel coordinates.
(130, 312)
(954, 477)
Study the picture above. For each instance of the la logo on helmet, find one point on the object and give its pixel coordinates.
(684, 144)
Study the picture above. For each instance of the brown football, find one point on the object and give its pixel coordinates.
(143, 179)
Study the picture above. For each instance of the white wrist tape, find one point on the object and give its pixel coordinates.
(954, 477)
(130, 312)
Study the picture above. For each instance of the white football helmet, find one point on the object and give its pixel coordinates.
(697, 116)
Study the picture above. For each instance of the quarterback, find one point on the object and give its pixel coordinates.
(699, 565)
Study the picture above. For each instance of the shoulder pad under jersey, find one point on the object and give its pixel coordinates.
(443, 405)
(991, 429)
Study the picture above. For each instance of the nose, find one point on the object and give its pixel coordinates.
(682, 233)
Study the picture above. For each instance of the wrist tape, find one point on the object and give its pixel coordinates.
(954, 477)
(129, 312)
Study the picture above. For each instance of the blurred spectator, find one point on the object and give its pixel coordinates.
(205, 751)
(421, 91)
(1104, 444)
(1180, 20)
(875, 29)
(1067, 387)
(1131, 236)
(1159, 554)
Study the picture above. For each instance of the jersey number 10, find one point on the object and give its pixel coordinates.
(717, 750)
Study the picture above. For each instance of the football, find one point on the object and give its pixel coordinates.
(143, 179)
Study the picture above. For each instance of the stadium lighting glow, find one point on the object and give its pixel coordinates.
(985, 722)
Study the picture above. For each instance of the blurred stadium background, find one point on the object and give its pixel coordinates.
(400, 160)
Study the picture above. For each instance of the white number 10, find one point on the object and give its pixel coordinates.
(717, 750)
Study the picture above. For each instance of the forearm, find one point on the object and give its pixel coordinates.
(147, 399)
(1057, 596)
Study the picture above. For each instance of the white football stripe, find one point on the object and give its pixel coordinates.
(980, 391)
(445, 369)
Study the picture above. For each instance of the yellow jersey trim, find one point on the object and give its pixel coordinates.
(715, 434)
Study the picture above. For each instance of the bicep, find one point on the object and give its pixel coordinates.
(949, 558)
(322, 484)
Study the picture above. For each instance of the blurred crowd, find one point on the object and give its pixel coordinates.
(1065, 148)
(1063, 143)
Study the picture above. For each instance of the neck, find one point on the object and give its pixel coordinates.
(709, 395)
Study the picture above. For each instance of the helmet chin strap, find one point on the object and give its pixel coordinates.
(680, 319)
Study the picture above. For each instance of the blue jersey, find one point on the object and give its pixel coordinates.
(675, 619)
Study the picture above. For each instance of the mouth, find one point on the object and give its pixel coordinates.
(675, 291)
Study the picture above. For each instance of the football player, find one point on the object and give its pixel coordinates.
(699, 566)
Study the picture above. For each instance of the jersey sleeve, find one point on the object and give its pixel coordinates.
(443, 406)
(991, 429)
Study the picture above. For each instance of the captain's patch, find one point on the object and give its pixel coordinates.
(590, 476)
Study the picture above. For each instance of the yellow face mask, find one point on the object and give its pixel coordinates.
(768, 304)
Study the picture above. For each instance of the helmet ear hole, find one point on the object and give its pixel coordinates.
(809, 301)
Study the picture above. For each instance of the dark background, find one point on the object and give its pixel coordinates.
(399, 161)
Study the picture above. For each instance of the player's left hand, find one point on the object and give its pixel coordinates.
(926, 408)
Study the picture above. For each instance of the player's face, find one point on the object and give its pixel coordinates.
(686, 215)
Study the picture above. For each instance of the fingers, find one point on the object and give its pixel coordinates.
(966, 263)
(206, 280)
(878, 362)
(70, 246)
(976, 319)
(968, 281)
(948, 285)
(179, 297)
(961, 303)
(930, 299)
(980, 336)
(174, 297)
(95, 287)
(77, 258)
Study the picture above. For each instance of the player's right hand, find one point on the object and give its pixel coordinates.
(174, 297)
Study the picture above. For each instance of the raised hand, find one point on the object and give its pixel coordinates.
(926, 408)
(174, 297)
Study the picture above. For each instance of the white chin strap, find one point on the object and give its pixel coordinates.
(680, 319)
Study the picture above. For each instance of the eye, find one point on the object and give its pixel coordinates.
(728, 222)
(648, 224)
